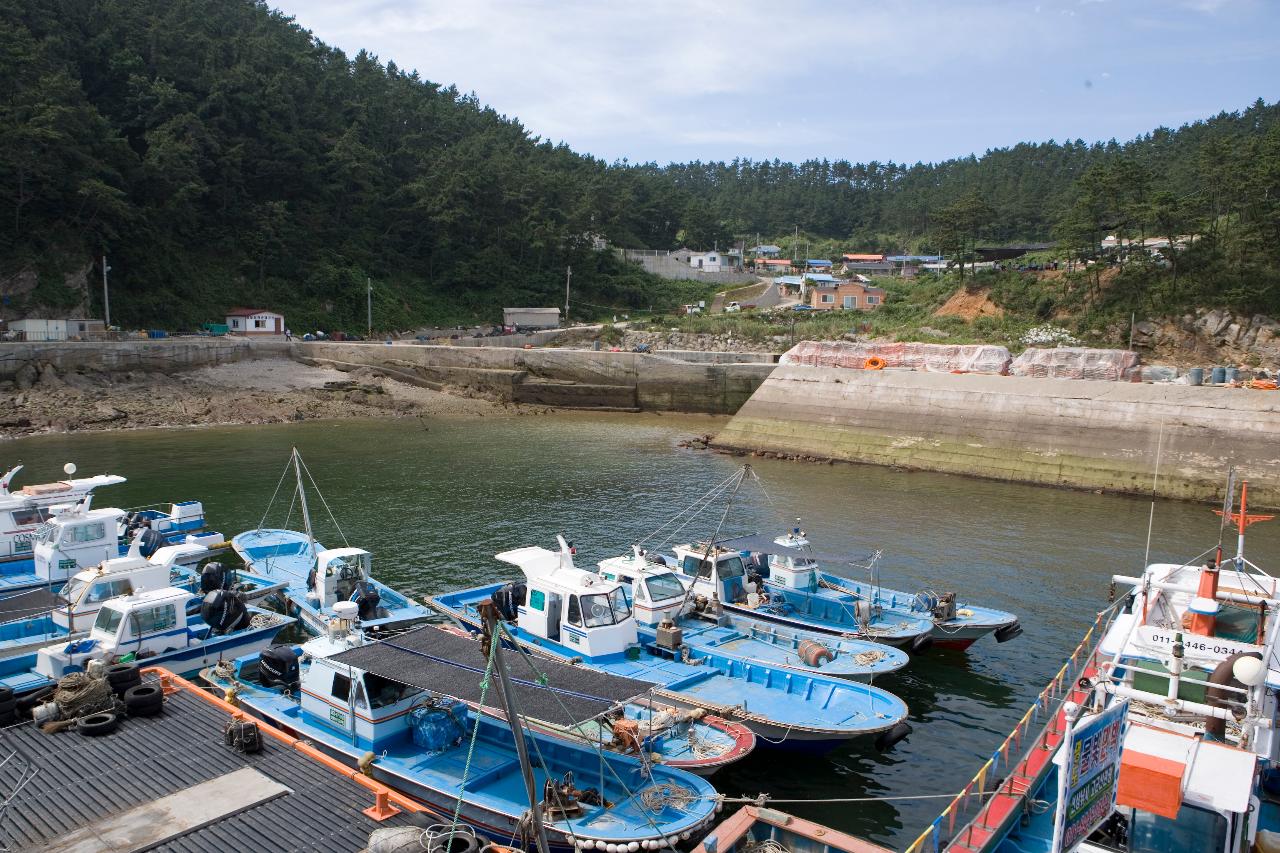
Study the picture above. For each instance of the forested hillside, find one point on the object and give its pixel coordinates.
(221, 155)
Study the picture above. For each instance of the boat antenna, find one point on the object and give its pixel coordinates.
(715, 535)
(493, 647)
(1155, 479)
(302, 495)
(1227, 502)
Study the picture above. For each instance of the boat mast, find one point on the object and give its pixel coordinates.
(302, 496)
(491, 626)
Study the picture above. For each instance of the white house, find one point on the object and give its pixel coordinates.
(254, 321)
(531, 318)
(40, 330)
(708, 261)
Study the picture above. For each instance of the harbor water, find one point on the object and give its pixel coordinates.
(435, 499)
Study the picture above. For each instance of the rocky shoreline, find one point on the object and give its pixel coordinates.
(44, 400)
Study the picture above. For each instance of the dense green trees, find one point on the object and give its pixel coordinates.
(222, 155)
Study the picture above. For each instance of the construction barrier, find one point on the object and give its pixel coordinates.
(1115, 365)
(933, 358)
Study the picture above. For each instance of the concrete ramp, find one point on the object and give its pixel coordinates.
(1078, 433)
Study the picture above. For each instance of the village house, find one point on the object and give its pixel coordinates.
(864, 257)
(817, 265)
(845, 296)
(709, 261)
(254, 321)
(766, 251)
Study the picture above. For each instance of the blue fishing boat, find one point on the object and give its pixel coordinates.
(167, 627)
(79, 536)
(720, 574)
(318, 577)
(658, 595)
(367, 706)
(685, 739)
(23, 510)
(789, 562)
(563, 612)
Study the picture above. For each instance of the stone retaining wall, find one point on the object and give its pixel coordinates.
(160, 356)
(1078, 433)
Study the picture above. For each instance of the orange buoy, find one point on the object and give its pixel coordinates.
(874, 363)
(814, 653)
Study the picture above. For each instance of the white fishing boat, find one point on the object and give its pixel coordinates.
(23, 510)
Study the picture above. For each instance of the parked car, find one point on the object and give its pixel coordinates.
(732, 307)
(802, 307)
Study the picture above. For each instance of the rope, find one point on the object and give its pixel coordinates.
(311, 479)
(475, 730)
(271, 502)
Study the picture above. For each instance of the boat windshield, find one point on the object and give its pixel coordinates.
(72, 589)
(47, 532)
(605, 608)
(1195, 830)
(664, 586)
(108, 620)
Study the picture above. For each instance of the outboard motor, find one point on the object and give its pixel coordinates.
(150, 542)
(1014, 629)
(921, 644)
(509, 598)
(367, 598)
(224, 611)
(214, 577)
(945, 609)
(887, 739)
(278, 667)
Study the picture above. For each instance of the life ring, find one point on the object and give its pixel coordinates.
(874, 363)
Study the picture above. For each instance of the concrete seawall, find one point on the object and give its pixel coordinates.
(559, 377)
(1077, 433)
(162, 356)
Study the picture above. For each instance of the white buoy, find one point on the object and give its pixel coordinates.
(611, 848)
(1249, 671)
(69, 468)
(633, 846)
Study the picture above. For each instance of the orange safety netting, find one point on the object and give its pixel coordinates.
(936, 358)
(1076, 363)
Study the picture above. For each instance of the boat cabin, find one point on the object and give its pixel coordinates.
(718, 572)
(575, 608)
(78, 537)
(654, 592)
(23, 510)
(182, 517)
(794, 571)
(80, 599)
(144, 624)
(361, 705)
(337, 575)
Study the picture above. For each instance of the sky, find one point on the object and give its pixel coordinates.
(901, 80)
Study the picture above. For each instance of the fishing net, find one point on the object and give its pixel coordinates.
(933, 358)
(1115, 365)
(657, 797)
(79, 694)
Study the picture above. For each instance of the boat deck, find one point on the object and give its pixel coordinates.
(67, 789)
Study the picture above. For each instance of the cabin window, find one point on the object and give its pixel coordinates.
(29, 517)
(732, 568)
(102, 590)
(85, 533)
(108, 620)
(605, 608)
(696, 566)
(360, 701)
(341, 687)
(574, 616)
(662, 587)
(1195, 830)
(384, 691)
(537, 599)
(151, 619)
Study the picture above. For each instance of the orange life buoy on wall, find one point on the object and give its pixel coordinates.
(873, 363)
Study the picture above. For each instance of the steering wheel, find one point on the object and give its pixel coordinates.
(599, 611)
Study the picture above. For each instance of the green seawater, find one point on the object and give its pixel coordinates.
(434, 499)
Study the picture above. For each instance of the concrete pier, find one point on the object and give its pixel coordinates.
(1077, 433)
(560, 377)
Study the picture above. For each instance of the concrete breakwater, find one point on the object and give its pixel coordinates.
(1077, 433)
(560, 377)
(166, 355)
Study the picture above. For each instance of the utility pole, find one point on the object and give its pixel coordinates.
(568, 276)
(106, 298)
(369, 284)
